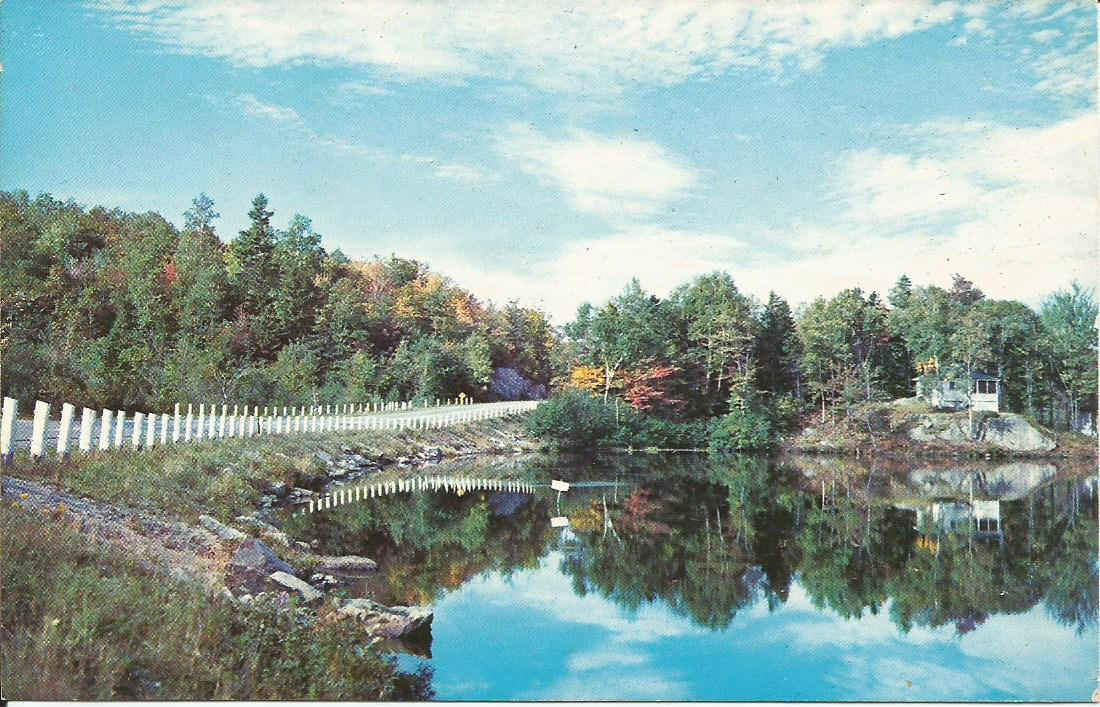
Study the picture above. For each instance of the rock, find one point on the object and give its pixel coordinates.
(279, 489)
(308, 593)
(337, 472)
(1013, 432)
(345, 564)
(388, 621)
(433, 453)
(268, 500)
(402, 461)
(254, 555)
(325, 458)
(223, 532)
(1005, 430)
(245, 598)
(301, 546)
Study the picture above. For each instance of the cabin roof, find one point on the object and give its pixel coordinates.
(981, 375)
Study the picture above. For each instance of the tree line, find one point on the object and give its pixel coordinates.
(112, 309)
(709, 349)
(106, 308)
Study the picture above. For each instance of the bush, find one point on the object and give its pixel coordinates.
(573, 419)
(742, 430)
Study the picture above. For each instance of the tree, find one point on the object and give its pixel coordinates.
(777, 348)
(1069, 319)
(720, 332)
(628, 329)
(963, 291)
(253, 273)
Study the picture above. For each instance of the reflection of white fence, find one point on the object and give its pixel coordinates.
(113, 429)
(439, 484)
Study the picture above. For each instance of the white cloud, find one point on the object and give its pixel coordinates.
(1013, 209)
(279, 114)
(594, 269)
(460, 173)
(1046, 35)
(612, 176)
(589, 47)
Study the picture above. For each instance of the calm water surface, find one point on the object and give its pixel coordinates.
(683, 578)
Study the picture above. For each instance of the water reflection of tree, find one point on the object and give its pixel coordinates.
(706, 542)
(714, 539)
(428, 542)
(709, 538)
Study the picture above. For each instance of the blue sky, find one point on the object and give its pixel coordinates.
(548, 153)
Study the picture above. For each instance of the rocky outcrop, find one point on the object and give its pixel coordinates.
(510, 384)
(346, 564)
(1013, 432)
(387, 621)
(1007, 431)
(223, 532)
(253, 555)
(289, 581)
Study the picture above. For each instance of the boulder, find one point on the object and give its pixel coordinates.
(346, 564)
(223, 532)
(289, 581)
(254, 555)
(387, 621)
(1006, 430)
(510, 384)
(1013, 432)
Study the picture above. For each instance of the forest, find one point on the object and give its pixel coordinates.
(111, 309)
(107, 308)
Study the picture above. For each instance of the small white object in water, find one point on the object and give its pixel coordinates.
(559, 485)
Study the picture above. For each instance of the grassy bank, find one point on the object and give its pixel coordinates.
(227, 477)
(79, 621)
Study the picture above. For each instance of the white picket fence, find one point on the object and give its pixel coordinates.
(109, 429)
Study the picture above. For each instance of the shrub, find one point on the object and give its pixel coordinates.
(573, 419)
(742, 430)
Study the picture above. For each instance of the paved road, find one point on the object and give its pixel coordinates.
(23, 427)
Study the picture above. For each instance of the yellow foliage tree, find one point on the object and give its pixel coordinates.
(587, 378)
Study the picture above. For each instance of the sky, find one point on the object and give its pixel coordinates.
(549, 152)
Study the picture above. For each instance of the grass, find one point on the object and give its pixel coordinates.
(225, 478)
(82, 622)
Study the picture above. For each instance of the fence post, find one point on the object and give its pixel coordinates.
(176, 424)
(187, 425)
(221, 422)
(105, 428)
(87, 421)
(135, 436)
(164, 428)
(38, 431)
(64, 429)
(120, 427)
(7, 430)
(150, 430)
(200, 433)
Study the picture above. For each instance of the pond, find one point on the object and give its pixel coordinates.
(695, 578)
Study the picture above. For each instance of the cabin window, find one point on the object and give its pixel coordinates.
(951, 385)
(989, 387)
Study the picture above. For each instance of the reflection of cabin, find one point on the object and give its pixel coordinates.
(982, 518)
(951, 393)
